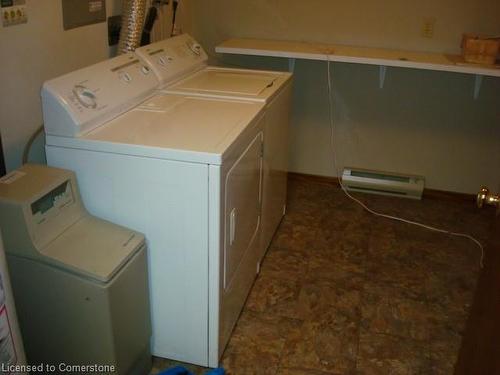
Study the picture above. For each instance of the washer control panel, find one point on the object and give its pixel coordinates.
(169, 59)
(80, 101)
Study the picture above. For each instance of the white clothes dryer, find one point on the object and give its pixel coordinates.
(274, 89)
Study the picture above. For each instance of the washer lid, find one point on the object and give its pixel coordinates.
(93, 248)
(248, 84)
(174, 127)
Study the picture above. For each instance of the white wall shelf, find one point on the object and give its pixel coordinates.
(359, 55)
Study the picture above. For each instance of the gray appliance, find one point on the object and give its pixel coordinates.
(80, 283)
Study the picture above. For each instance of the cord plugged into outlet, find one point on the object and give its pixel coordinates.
(359, 202)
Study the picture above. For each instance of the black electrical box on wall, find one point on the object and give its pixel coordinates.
(114, 27)
(2, 159)
(78, 13)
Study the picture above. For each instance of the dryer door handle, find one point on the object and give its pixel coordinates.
(232, 226)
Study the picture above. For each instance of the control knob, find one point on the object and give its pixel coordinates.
(85, 96)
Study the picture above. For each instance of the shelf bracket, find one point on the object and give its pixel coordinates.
(291, 65)
(381, 78)
(477, 85)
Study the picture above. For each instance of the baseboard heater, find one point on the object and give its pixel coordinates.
(384, 183)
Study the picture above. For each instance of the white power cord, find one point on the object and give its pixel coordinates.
(335, 166)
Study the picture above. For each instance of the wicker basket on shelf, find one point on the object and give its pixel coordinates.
(480, 49)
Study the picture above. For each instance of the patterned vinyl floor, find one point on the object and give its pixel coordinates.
(343, 292)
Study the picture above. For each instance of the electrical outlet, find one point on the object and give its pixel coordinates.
(428, 27)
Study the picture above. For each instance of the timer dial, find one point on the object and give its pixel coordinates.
(85, 96)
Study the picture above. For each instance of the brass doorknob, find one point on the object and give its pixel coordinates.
(485, 197)
(482, 196)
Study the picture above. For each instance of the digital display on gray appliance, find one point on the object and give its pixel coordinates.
(60, 196)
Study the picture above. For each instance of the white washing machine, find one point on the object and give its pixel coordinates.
(181, 67)
(184, 170)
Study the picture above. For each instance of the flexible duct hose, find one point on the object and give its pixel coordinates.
(134, 12)
(27, 148)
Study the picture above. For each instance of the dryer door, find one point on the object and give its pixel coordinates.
(242, 208)
(242, 227)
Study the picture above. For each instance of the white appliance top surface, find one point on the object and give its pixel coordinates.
(227, 82)
(175, 127)
(94, 248)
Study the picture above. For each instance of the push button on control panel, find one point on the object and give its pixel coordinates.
(194, 47)
(164, 60)
(85, 96)
(125, 77)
